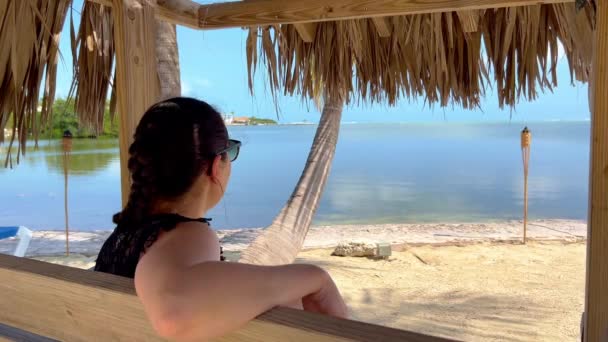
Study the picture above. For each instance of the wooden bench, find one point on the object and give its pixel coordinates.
(45, 302)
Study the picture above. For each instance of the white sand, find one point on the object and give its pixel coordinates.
(480, 292)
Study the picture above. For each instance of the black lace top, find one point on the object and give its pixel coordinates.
(120, 253)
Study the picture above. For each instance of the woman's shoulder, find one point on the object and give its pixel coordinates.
(191, 238)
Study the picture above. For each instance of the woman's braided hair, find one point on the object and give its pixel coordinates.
(173, 145)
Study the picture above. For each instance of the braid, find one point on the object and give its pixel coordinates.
(142, 188)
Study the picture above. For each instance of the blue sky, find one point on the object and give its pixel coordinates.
(213, 68)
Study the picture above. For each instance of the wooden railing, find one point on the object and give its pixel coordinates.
(44, 302)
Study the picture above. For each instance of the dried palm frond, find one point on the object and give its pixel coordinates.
(437, 56)
(29, 36)
(94, 45)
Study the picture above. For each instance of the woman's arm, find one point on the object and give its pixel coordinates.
(188, 295)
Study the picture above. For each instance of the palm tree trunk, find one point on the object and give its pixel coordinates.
(283, 239)
(167, 57)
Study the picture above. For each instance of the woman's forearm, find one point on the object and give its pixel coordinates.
(213, 298)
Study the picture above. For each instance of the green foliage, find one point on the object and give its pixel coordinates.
(261, 121)
(65, 118)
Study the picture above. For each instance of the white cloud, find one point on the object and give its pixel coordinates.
(193, 87)
(186, 89)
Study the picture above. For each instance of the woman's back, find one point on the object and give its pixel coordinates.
(122, 250)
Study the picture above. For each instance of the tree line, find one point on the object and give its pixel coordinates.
(65, 118)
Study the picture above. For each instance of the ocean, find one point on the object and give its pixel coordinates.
(382, 173)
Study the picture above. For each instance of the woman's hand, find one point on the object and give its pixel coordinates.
(327, 300)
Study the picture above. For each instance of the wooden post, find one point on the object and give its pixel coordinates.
(596, 303)
(136, 72)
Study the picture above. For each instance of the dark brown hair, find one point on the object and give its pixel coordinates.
(174, 143)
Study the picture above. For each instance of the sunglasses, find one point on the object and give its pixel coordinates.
(232, 150)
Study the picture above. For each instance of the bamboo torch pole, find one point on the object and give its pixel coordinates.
(67, 148)
(526, 139)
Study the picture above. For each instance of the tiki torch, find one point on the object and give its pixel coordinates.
(67, 148)
(526, 139)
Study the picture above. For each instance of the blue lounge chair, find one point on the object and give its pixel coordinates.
(24, 234)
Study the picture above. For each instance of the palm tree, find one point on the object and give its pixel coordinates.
(281, 242)
(283, 239)
(167, 56)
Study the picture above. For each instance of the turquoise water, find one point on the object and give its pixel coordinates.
(381, 174)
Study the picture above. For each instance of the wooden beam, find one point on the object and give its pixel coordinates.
(596, 303)
(70, 304)
(273, 12)
(136, 72)
(382, 26)
(179, 12)
(469, 20)
(307, 31)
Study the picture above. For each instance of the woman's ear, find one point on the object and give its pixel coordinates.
(215, 170)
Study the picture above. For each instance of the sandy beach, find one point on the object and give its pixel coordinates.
(481, 292)
(472, 282)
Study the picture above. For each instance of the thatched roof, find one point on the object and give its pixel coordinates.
(94, 68)
(28, 50)
(439, 57)
(443, 57)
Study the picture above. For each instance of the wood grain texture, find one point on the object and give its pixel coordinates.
(596, 327)
(307, 31)
(136, 72)
(272, 12)
(382, 26)
(70, 304)
(180, 12)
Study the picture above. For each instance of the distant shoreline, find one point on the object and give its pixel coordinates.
(454, 122)
(49, 243)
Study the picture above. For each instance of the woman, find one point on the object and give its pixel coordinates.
(180, 164)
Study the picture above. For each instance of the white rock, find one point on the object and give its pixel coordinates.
(356, 249)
